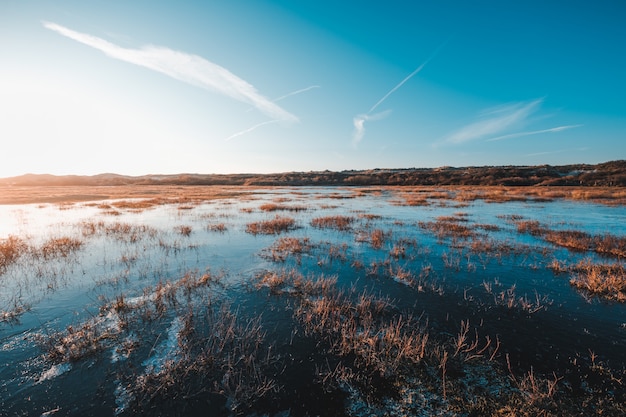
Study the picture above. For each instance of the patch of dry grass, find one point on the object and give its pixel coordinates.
(11, 249)
(577, 240)
(274, 226)
(282, 207)
(288, 246)
(604, 279)
(342, 223)
(449, 227)
(60, 247)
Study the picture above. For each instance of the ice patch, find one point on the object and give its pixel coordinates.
(122, 398)
(55, 371)
(167, 351)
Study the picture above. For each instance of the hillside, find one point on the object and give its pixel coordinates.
(612, 174)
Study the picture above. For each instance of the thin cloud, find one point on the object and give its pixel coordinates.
(501, 120)
(188, 68)
(243, 132)
(534, 132)
(359, 120)
(293, 93)
(407, 78)
(359, 124)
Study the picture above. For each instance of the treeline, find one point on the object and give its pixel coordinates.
(608, 174)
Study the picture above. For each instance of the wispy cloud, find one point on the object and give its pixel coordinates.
(407, 78)
(243, 132)
(293, 93)
(359, 124)
(496, 121)
(188, 68)
(533, 132)
(359, 120)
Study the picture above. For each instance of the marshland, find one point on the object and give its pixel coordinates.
(303, 301)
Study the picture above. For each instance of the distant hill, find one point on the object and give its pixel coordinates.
(612, 174)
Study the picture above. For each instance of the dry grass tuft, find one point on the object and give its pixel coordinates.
(449, 227)
(281, 207)
(272, 227)
(217, 227)
(60, 247)
(342, 223)
(11, 249)
(288, 246)
(605, 280)
(184, 230)
(576, 240)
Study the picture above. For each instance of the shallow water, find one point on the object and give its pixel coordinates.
(70, 290)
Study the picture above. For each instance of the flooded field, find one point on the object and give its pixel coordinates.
(314, 301)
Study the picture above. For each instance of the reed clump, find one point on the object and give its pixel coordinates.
(217, 227)
(217, 353)
(607, 280)
(449, 227)
(282, 207)
(576, 240)
(197, 347)
(60, 247)
(342, 223)
(184, 230)
(284, 247)
(376, 238)
(272, 227)
(11, 249)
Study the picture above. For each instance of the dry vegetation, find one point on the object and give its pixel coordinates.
(606, 280)
(343, 223)
(272, 227)
(605, 244)
(388, 359)
(11, 249)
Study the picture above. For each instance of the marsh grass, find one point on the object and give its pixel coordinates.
(212, 351)
(184, 230)
(60, 247)
(218, 354)
(282, 207)
(342, 223)
(576, 240)
(284, 247)
(602, 279)
(397, 361)
(274, 226)
(379, 352)
(11, 249)
(121, 231)
(449, 227)
(217, 227)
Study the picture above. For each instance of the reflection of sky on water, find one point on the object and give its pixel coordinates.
(61, 292)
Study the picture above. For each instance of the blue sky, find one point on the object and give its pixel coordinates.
(158, 87)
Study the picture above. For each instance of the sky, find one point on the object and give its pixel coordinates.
(233, 86)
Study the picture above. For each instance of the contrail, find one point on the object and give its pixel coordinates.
(418, 69)
(243, 132)
(359, 120)
(293, 93)
(407, 78)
